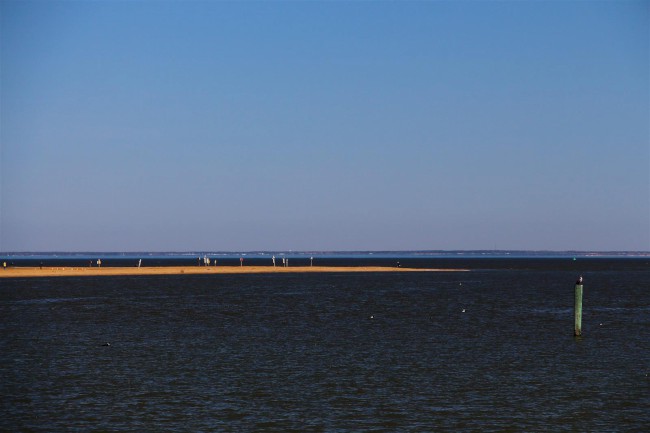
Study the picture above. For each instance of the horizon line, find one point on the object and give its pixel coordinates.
(328, 251)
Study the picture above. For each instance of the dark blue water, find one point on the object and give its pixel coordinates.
(329, 352)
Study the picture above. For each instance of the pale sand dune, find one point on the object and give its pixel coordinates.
(18, 272)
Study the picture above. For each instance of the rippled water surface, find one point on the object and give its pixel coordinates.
(326, 352)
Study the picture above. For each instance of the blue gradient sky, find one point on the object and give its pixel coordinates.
(131, 126)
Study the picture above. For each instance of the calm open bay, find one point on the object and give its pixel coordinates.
(486, 350)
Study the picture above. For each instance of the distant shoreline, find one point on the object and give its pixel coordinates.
(325, 253)
(37, 272)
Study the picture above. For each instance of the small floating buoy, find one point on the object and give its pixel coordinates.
(463, 310)
(372, 317)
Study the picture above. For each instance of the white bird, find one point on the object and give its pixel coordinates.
(463, 310)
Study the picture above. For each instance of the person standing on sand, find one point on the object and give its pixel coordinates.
(139, 263)
(99, 263)
(273, 258)
(4, 265)
(241, 261)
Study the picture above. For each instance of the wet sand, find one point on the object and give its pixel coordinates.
(34, 272)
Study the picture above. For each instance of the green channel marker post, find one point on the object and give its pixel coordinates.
(578, 308)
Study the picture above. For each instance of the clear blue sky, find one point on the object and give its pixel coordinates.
(131, 126)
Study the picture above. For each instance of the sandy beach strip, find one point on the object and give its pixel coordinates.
(35, 272)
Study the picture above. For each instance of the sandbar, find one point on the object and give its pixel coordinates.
(35, 272)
